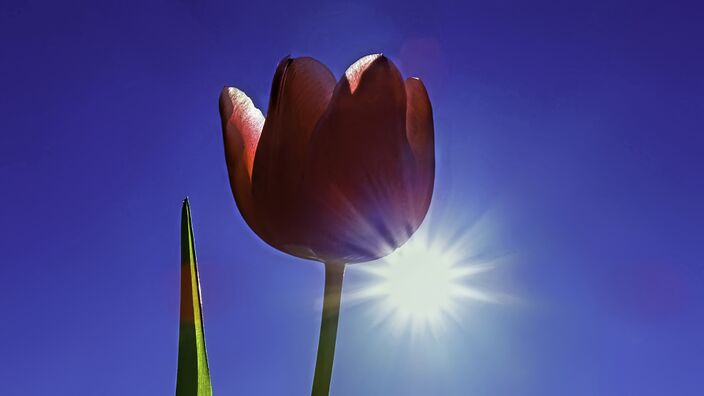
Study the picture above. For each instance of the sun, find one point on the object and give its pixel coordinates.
(421, 286)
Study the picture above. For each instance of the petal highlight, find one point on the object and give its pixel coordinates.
(354, 73)
(242, 125)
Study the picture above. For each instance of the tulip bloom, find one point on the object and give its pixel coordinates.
(338, 172)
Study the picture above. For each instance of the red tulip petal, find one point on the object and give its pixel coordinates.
(419, 127)
(242, 125)
(300, 92)
(361, 166)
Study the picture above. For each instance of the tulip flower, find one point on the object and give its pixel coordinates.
(338, 172)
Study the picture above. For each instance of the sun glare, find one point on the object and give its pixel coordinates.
(421, 286)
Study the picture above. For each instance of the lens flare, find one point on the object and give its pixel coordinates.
(423, 285)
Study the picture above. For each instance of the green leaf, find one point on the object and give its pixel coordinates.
(193, 377)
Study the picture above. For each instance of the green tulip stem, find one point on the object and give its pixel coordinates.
(334, 273)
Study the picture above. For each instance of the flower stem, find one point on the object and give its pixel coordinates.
(334, 273)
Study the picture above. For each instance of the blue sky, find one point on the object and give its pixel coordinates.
(569, 139)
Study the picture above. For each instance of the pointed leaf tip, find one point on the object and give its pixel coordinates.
(193, 375)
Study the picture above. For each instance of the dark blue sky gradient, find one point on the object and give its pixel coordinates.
(577, 129)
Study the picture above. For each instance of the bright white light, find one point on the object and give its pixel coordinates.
(422, 285)
(419, 285)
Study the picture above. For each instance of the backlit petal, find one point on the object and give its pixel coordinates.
(242, 125)
(361, 166)
(300, 92)
(419, 126)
